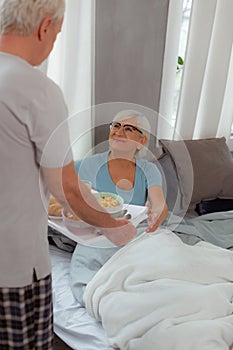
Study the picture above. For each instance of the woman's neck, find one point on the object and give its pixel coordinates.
(122, 171)
(121, 157)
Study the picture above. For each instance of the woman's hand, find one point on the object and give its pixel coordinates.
(157, 208)
(155, 216)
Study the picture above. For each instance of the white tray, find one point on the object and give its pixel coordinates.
(91, 236)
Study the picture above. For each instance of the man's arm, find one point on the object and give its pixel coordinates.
(73, 194)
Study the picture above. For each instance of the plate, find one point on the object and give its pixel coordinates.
(51, 217)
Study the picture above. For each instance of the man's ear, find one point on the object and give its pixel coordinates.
(44, 26)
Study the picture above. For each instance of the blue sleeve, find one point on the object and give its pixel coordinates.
(154, 177)
(88, 168)
(77, 165)
(152, 173)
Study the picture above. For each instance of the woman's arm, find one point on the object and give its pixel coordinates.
(157, 208)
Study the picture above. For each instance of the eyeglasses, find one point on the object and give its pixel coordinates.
(128, 128)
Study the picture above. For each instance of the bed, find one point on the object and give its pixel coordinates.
(170, 290)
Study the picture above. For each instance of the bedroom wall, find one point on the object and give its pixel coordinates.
(129, 47)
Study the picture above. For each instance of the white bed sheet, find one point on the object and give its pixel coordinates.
(71, 321)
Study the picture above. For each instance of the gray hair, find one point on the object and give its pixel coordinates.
(22, 17)
(141, 120)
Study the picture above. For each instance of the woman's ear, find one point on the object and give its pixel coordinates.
(142, 142)
(44, 27)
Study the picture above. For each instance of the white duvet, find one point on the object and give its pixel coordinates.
(158, 293)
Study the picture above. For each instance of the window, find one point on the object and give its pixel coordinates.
(187, 4)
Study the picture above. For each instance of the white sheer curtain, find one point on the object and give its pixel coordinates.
(205, 106)
(165, 123)
(206, 103)
(70, 65)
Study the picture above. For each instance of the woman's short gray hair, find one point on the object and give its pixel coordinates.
(141, 120)
(22, 17)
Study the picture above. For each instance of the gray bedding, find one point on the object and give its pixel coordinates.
(215, 228)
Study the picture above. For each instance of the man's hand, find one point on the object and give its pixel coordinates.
(122, 234)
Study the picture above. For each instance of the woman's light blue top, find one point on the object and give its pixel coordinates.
(95, 170)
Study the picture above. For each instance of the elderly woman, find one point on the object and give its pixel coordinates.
(121, 171)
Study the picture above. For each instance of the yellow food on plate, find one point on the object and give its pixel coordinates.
(72, 216)
(111, 202)
(53, 200)
(55, 208)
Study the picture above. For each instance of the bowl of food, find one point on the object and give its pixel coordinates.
(111, 202)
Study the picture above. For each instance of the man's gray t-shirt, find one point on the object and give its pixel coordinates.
(33, 132)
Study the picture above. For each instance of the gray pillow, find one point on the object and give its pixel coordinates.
(204, 168)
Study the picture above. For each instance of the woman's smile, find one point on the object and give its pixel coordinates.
(119, 139)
